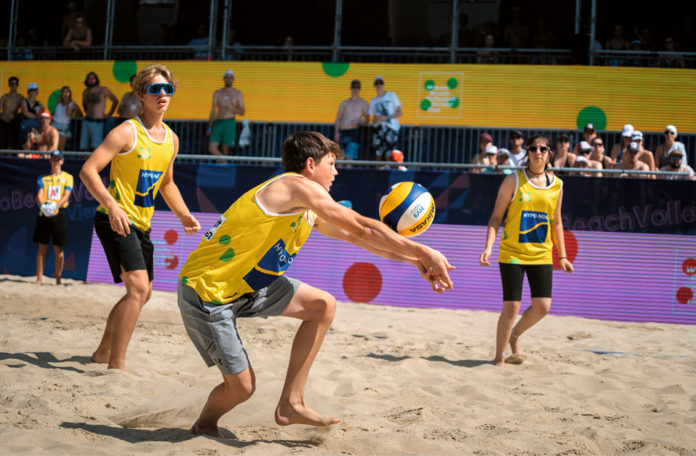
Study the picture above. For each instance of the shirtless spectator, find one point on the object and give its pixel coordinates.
(79, 34)
(630, 162)
(45, 139)
(676, 156)
(481, 158)
(10, 107)
(228, 102)
(586, 152)
(128, 108)
(563, 157)
(618, 150)
(661, 156)
(516, 33)
(94, 103)
(352, 113)
(599, 154)
(644, 155)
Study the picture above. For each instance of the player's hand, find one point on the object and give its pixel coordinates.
(119, 221)
(190, 224)
(566, 265)
(437, 266)
(485, 258)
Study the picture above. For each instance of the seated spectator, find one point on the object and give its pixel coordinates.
(616, 43)
(645, 156)
(481, 158)
(562, 157)
(31, 109)
(618, 150)
(487, 55)
(676, 155)
(288, 47)
(518, 156)
(491, 155)
(671, 60)
(582, 163)
(589, 133)
(64, 111)
(503, 160)
(661, 158)
(630, 162)
(79, 35)
(44, 139)
(586, 152)
(200, 43)
(599, 154)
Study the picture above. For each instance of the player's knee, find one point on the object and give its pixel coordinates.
(140, 292)
(241, 387)
(328, 308)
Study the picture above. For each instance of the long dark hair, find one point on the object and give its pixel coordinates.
(532, 140)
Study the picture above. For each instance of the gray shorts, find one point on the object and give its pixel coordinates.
(213, 327)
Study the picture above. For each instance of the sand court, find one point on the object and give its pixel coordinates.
(404, 381)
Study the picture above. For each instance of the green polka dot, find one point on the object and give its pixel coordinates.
(124, 69)
(425, 104)
(102, 210)
(228, 255)
(514, 261)
(453, 102)
(184, 280)
(112, 184)
(429, 84)
(118, 196)
(452, 83)
(225, 239)
(335, 70)
(53, 99)
(593, 115)
(215, 301)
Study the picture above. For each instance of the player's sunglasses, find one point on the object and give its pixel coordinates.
(537, 148)
(156, 89)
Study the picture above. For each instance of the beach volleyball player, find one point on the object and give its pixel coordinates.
(238, 271)
(532, 199)
(141, 151)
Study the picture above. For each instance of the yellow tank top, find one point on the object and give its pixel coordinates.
(55, 186)
(136, 175)
(246, 249)
(527, 227)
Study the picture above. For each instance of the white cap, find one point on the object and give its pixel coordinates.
(671, 128)
(582, 159)
(634, 146)
(637, 135)
(228, 73)
(491, 149)
(584, 145)
(627, 130)
(677, 148)
(32, 86)
(503, 151)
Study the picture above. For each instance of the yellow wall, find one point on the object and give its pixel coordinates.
(558, 97)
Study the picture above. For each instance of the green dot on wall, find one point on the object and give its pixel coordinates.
(429, 84)
(124, 69)
(593, 115)
(425, 104)
(452, 83)
(335, 69)
(53, 99)
(453, 102)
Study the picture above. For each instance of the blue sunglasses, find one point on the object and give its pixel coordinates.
(156, 89)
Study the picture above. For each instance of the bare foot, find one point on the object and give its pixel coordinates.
(57, 280)
(120, 366)
(287, 414)
(514, 343)
(500, 362)
(38, 281)
(212, 431)
(101, 358)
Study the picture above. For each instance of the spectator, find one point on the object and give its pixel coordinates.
(228, 102)
(589, 133)
(385, 109)
(586, 152)
(481, 158)
(200, 43)
(10, 105)
(234, 49)
(661, 156)
(630, 162)
(491, 156)
(45, 139)
(64, 111)
(676, 156)
(69, 18)
(516, 33)
(618, 150)
(517, 153)
(129, 107)
(94, 103)
(583, 163)
(352, 113)
(503, 160)
(51, 222)
(31, 109)
(563, 157)
(487, 55)
(79, 35)
(599, 154)
(616, 43)
(287, 47)
(637, 45)
(671, 59)
(645, 156)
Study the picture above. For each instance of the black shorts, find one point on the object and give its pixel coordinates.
(539, 276)
(51, 227)
(131, 252)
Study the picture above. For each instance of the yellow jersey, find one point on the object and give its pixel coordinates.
(527, 227)
(246, 249)
(54, 187)
(136, 174)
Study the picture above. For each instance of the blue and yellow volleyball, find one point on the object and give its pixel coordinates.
(407, 208)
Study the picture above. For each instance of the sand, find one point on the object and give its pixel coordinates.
(404, 381)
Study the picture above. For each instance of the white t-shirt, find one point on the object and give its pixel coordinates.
(386, 106)
(519, 158)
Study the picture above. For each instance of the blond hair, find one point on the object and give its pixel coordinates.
(147, 74)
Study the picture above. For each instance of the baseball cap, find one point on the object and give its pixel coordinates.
(503, 151)
(584, 145)
(57, 153)
(13, 80)
(582, 159)
(46, 114)
(378, 79)
(355, 83)
(677, 148)
(627, 130)
(563, 138)
(486, 137)
(491, 149)
(32, 86)
(589, 127)
(671, 128)
(634, 146)
(228, 73)
(637, 135)
(397, 156)
(516, 135)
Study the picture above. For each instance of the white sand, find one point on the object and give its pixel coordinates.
(404, 381)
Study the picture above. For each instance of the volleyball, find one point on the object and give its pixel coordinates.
(407, 208)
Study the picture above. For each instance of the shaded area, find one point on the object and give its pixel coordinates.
(45, 360)
(442, 359)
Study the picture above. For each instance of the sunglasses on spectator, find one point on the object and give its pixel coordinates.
(537, 148)
(669, 132)
(597, 144)
(675, 157)
(156, 89)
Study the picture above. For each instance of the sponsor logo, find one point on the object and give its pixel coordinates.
(426, 220)
(145, 189)
(211, 232)
(144, 153)
(534, 227)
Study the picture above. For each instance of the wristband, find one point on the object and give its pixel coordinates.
(562, 258)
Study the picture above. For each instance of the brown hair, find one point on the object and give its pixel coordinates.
(144, 76)
(301, 145)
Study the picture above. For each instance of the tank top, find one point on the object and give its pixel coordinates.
(60, 113)
(246, 249)
(136, 174)
(55, 186)
(527, 227)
